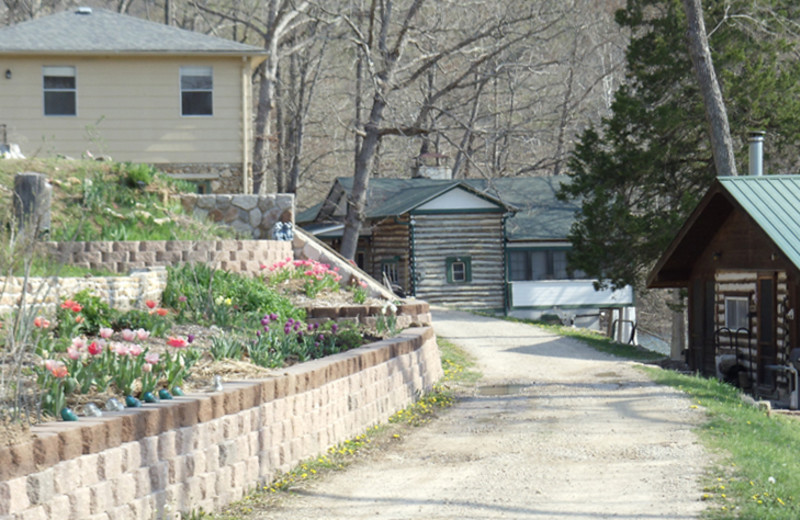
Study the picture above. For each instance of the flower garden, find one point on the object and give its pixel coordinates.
(88, 357)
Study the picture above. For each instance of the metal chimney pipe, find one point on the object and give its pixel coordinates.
(757, 153)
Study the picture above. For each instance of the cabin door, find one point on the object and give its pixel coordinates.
(767, 349)
(701, 348)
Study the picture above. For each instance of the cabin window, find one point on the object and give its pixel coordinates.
(737, 311)
(390, 269)
(197, 89)
(60, 91)
(540, 264)
(459, 269)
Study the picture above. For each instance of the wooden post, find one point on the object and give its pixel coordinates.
(32, 196)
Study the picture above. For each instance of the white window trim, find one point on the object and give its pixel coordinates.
(73, 90)
(181, 90)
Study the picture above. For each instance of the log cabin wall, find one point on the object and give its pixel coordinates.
(733, 284)
(390, 240)
(476, 236)
(738, 255)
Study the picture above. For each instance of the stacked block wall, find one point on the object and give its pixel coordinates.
(207, 450)
(240, 256)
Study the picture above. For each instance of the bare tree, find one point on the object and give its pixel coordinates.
(721, 142)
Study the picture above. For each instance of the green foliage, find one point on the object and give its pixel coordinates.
(755, 477)
(226, 347)
(139, 175)
(148, 320)
(202, 294)
(113, 201)
(643, 171)
(96, 313)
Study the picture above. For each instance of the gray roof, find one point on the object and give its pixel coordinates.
(773, 201)
(99, 31)
(539, 215)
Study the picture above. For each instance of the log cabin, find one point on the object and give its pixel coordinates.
(738, 256)
(498, 245)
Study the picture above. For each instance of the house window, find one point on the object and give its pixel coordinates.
(197, 89)
(540, 264)
(59, 90)
(737, 310)
(459, 269)
(390, 269)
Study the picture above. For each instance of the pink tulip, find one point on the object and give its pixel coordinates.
(73, 353)
(95, 348)
(142, 334)
(121, 349)
(128, 335)
(177, 342)
(106, 332)
(78, 343)
(135, 350)
(151, 358)
(147, 368)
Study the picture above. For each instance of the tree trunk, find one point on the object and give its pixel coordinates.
(721, 143)
(261, 142)
(678, 337)
(358, 196)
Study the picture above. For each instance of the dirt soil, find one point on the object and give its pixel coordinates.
(554, 430)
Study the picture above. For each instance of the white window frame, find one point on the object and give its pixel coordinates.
(731, 312)
(196, 70)
(65, 71)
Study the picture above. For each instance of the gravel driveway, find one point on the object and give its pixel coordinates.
(554, 430)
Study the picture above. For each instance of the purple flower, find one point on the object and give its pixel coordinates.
(258, 333)
(310, 327)
(273, 316)
(189, 338)
(265, 320)
(300, 334)
(266, 328)
(316, 326)
(334, 328)
(290, 322)
(320, 338)
(286, 329)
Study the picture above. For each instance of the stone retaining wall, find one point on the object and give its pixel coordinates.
(207, 450)
(251, 215)
(120, 292)
(240, 256)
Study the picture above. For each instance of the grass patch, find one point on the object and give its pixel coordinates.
(593, 339)
(756, 476)
(456, 364)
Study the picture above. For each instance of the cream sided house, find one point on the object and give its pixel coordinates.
(110, 84)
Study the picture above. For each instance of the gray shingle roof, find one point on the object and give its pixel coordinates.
(539, 213)
(101, 31)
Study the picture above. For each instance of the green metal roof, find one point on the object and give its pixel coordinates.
(98, 31)
(773, 201)
(539, 215)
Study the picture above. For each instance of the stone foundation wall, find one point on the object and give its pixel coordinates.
(120, 292)
(251, 215)
(241, 256)
(207, 450)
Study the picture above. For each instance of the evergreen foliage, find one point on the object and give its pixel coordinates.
(640, 174)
